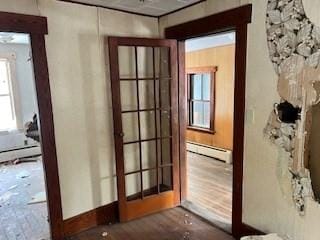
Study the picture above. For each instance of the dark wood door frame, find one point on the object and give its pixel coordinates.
(36, 27)
(231, 20)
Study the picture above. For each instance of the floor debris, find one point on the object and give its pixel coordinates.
(6, 196)
(38, 198)
(23, 174)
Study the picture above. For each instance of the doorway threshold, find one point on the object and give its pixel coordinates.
(212, 218)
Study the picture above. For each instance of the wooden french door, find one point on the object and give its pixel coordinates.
(145, 112)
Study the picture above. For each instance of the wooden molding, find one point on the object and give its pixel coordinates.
(102, 215)
(249, 231)
(230, 20)
(22, 23)
(212, 24)
(36, 26)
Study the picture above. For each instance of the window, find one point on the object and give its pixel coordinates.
(7, 111)
(201, 83)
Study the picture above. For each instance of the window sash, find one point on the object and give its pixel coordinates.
(207, 105)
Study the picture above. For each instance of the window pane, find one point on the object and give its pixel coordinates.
(198, 114)
(4, 83)
(206, 86)
(7, 118)
(196, 86)
(206, 117)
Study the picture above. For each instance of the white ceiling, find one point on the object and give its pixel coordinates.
(16, 38)
(215, 40)
(148, 7)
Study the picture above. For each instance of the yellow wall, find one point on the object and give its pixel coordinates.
(223, 58)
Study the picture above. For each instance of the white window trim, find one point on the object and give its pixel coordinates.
(14, 88)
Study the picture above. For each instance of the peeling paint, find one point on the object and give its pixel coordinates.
(294, 49)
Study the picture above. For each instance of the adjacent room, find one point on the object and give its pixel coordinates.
(23, 208)
(210, 87)
(159, 119)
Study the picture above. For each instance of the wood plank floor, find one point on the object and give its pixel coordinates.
(18, 220)
(210, 186)
(172, 224)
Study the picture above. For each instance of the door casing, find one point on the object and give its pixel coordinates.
(231, 20)
(36, 27)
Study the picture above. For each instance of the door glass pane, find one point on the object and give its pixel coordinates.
(145, 62)
(133, 186)
(198, 114)
(196, 84)
(146, 94)
(206, 115)
(131, 154)
(150, 186)
(130, 127)
(165, 175)
(165, 94)
(206, 86)
(147, 119)
(165, 151)
(128, 95)
(149, 158)
(127, 62)
(162, 60)
(164, 123)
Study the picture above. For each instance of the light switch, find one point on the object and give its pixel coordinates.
(249, 116)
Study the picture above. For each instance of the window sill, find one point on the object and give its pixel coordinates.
(198, 129)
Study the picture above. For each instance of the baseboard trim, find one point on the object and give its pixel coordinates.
(247, 230)
(84, 221)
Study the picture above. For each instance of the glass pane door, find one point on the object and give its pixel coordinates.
(143, 83)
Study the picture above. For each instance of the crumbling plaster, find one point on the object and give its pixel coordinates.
(294, 49)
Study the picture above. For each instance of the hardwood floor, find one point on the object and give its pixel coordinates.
(210, 187)
(172, 224)
(18, 219)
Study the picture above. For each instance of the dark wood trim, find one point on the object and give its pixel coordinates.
(236, 20)
(102, 215)
(49, 154)
(22, 23)
(182, 119)
(37, 27)
(249, 231)
(110, 8)
(215, 23)
(196, 70)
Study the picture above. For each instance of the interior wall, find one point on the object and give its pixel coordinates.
(81, 94)
(223, 58)
(266, 205)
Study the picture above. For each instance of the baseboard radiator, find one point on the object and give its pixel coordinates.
(214, 152)
(20, 153)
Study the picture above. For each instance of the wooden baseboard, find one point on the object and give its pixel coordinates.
(99, 216)
(249, 231)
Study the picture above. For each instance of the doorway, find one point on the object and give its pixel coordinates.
(35, 27)
(209, 67)
(22, 188)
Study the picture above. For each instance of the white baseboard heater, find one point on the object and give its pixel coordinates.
(214, 152)
(22, 152)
